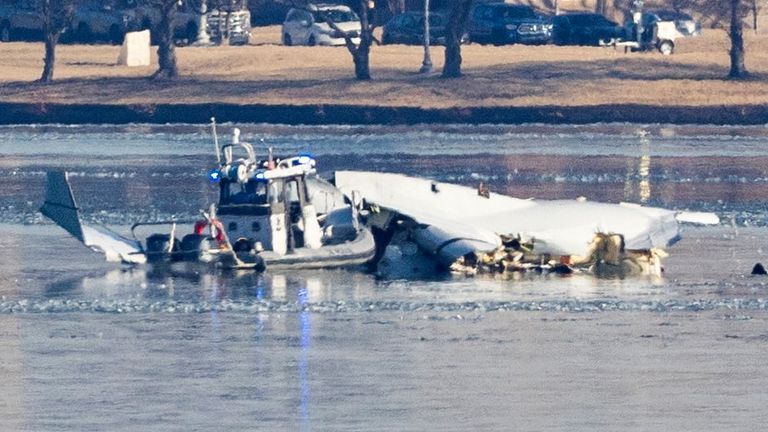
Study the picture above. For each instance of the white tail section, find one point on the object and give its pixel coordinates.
(60, 207)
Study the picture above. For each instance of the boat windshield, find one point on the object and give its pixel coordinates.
(253, 192)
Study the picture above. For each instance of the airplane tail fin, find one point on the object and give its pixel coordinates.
(60, 207)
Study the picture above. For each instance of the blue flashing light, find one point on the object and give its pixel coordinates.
(260, 176)
(214, 176)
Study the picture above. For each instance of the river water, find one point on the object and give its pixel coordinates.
(87, 345)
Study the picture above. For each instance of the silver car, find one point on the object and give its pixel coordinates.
(309, 26)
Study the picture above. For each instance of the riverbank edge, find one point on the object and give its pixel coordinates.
(320, 114)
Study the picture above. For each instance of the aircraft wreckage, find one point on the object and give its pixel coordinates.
(278, 213)
(469, 231)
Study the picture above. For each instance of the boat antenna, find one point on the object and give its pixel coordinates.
(216, 140)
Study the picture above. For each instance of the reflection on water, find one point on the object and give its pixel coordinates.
(641, 175)
(304, 342)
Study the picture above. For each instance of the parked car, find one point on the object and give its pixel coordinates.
(308, 26)
(103, 20)
(268, 12)
(502, 23)
(185, 23)
(684, 23)
(408, 29)
(21, 20)
(660, 28)
(233, 24)
(585, 29)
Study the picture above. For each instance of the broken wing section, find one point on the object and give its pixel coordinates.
(437, 209)
(451, 221)
(60, 207)
(568, 227)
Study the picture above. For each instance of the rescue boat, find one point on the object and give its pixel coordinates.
(272, 213)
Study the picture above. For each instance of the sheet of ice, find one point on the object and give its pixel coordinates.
(87, 346)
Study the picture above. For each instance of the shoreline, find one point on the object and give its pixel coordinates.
(266, 82)
(323, 114)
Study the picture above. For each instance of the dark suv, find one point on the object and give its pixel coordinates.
(20, 20)
(585, 29)
(103, 20)
(408, 28)
(501, 23)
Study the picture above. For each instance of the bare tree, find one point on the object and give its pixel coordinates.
(361, 51)
(56, 15)
(736, 33)
(457, 22)
(728, 15)
(166, 49)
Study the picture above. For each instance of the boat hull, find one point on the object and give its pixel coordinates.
(356, 252)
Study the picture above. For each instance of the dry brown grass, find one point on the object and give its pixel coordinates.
(266, 72)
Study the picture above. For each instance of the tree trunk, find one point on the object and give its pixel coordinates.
(457, 20)
(54, 17)
(51, 39)
(738, 70)
(362, 68)
(166, 50)
(452, 65)
(361, 54)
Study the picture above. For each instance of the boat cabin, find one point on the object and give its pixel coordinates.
(265, 208)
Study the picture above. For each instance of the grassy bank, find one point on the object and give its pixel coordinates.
(267, 73)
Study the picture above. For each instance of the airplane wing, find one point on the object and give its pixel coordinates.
(460, 216)
(60, 207)
(567, 227)
(440, 210)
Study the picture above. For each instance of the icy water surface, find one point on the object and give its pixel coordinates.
(86, 345)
